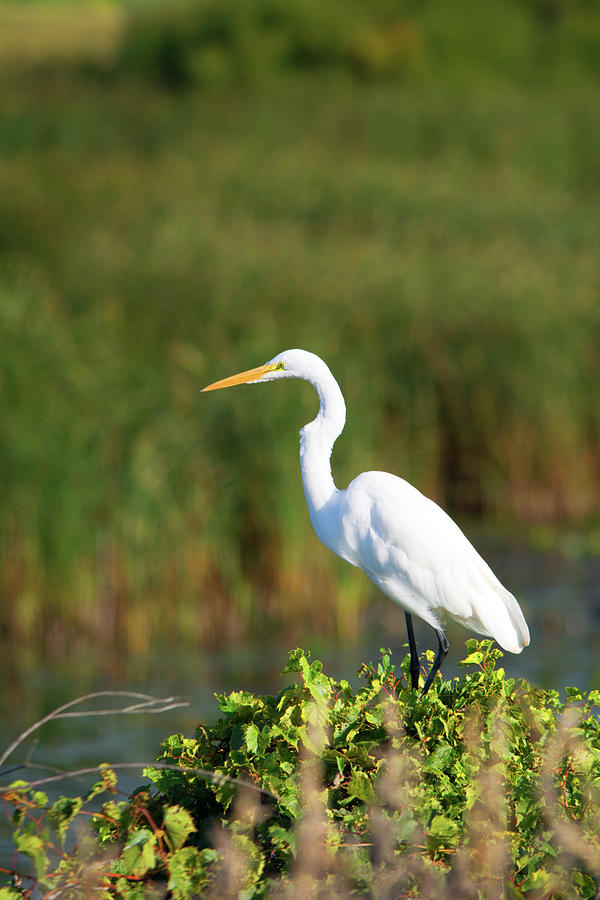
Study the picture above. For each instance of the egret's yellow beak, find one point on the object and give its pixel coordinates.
(243, 377)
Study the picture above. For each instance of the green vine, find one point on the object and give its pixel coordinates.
(487, 784)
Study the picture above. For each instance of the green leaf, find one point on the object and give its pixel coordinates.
(360, 786)
(189, 871)
(443, 833)
(297, 659)
(441, 759)
(574, 693)
(108, 776)
(178, 824)
(62, 813)
(283, 837)
(251, 734)
(237, 739)
(34, 846)
(139, 853)
(128, 890)
(98, 787)
(536, 880)
(585, 883)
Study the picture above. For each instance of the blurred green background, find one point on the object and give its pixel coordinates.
(410, 190)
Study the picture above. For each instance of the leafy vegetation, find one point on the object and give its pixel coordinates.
(254, 40)
(208, 43)
(485, 787)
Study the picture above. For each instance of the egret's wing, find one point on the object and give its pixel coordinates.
(419, 557)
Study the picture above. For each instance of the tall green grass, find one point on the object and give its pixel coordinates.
(207, 42)
(437, 246)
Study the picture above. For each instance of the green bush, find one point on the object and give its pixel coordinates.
(485, 787)
(253, 40)
(178, 43)
(207, 42)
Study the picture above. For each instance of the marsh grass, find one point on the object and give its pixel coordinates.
(434, 241)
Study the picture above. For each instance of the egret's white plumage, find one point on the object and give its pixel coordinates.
(406, 544)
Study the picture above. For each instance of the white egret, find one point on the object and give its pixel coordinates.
(406, 544)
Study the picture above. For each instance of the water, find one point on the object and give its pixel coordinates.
(560, 598)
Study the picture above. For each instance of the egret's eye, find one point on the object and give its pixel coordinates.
(280, 365)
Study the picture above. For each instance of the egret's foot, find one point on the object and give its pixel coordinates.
(439, 659)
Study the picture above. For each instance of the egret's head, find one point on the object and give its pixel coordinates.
(289, 364)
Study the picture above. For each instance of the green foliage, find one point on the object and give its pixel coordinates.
(245, 41)
(253, 40)
(206, 42)
(487, 784)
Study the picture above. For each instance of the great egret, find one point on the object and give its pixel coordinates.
(406, 544)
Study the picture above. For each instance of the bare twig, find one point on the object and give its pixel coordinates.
(30, 765)
(215, 777)
(148, 704)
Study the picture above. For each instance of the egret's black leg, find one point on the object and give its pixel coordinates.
(441, 656)
(414, 656)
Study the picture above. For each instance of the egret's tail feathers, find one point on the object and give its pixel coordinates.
(497, 611)
(506, 623)
(518, 622)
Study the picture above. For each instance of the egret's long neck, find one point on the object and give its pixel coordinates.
(316, 443)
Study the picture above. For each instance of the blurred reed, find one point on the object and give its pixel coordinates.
(434, 239)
